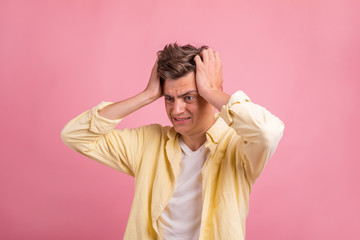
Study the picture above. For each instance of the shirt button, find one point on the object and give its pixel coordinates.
(160, 205)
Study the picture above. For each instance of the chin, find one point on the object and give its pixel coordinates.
(179, 130)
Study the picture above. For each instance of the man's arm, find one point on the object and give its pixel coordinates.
(92, 134)
(123, 108)
(260, 130)
(209, 78)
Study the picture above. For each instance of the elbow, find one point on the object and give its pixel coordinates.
(76, 140)
(272, 134)
(69, 138)
(268, 142)
(64, 134)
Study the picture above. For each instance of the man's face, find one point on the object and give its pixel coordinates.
(189, 113)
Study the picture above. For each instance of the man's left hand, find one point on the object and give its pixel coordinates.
(209, 78)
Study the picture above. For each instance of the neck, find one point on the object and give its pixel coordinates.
(194, 142)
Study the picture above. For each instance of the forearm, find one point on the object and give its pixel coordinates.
(251, 121)
(123, 108)
(94, 136)
(259, 129)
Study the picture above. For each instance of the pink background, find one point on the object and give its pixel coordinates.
(299, 59)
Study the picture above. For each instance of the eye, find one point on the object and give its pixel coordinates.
(189, 98)
(168, 99)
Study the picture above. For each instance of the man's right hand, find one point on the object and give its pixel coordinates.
(123, 108)
(153, 88)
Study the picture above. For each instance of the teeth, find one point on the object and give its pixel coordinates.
(182, 119)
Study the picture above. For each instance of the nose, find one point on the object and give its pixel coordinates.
(179, 107)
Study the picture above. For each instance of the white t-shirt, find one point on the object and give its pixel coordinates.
(181, 218)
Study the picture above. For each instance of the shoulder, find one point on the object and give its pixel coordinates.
(153, 131)
(156, 128)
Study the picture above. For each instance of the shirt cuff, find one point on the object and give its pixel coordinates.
(237, 98)
(99, 124)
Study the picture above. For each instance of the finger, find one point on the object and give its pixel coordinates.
(205, 56)
(211, 54)
(217, 57)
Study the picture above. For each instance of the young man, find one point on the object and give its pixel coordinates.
(192, 180)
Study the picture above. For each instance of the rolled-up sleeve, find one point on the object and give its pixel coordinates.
(259, 129)
(95, 137)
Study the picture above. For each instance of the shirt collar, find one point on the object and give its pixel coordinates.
(172, 133)
(217, 130)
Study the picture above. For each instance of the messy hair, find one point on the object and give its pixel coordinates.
(175, 61)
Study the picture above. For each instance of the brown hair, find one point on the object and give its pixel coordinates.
(175, 61)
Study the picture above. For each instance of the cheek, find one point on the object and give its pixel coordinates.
(204, 110)
(194, 110)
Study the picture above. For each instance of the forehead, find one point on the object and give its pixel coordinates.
(176, 87)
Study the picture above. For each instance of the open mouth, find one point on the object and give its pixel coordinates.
(181, 120)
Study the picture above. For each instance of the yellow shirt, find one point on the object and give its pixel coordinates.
(243, 138)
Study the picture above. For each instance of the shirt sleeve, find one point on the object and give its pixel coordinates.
(259, 129)
(95, 137)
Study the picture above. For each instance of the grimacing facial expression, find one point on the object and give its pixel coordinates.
(190, 114)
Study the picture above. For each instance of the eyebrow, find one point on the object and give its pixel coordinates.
(182, 95)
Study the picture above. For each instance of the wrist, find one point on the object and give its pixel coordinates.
(208, 93)
(150, 96)
(216, 97)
